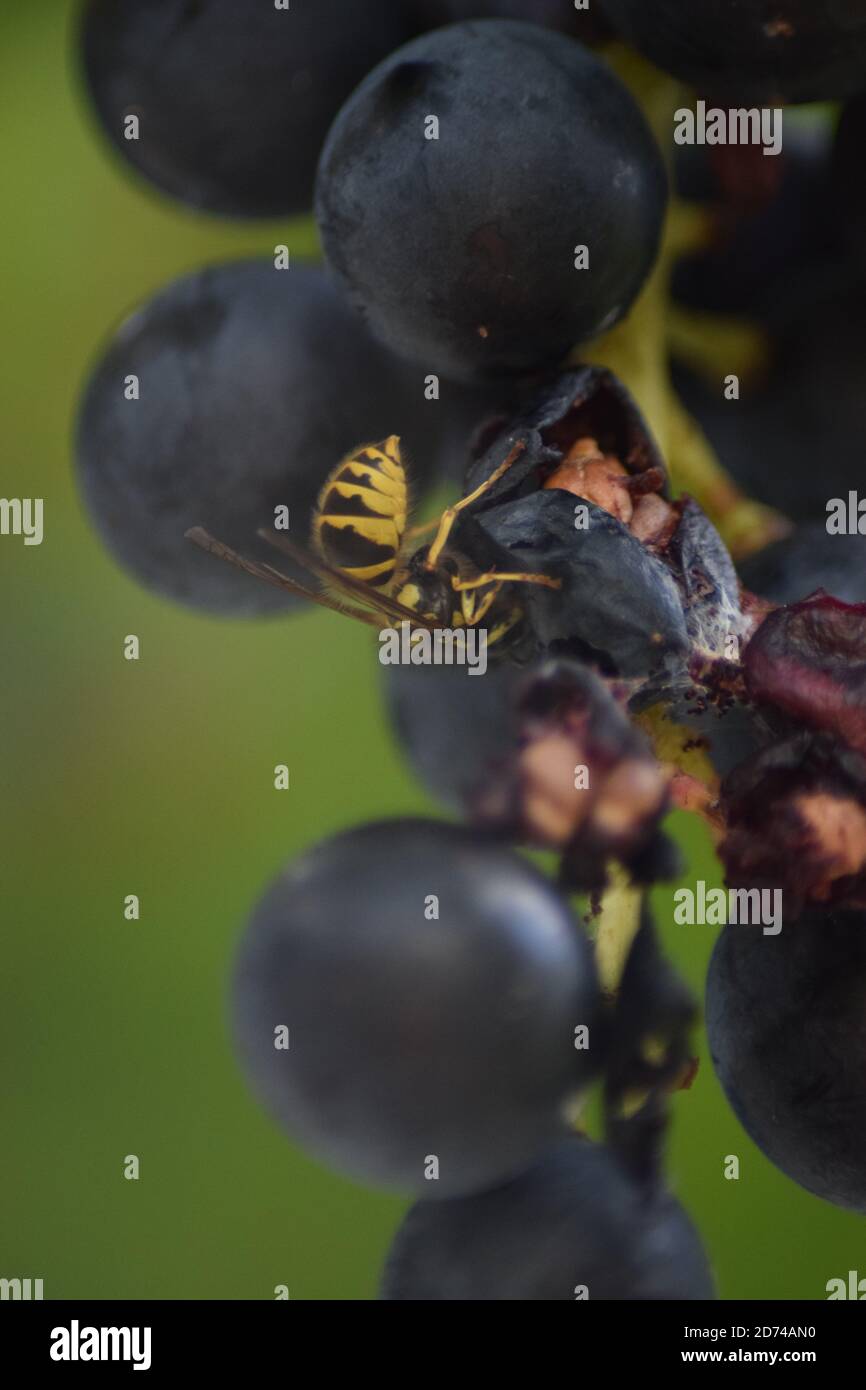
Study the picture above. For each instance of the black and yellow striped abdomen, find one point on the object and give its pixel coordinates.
(361, 513)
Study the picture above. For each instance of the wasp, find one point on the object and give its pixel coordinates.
(361, 553)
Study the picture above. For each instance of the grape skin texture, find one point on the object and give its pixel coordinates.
(460, 251)
(785, 1021)
(411, 1036)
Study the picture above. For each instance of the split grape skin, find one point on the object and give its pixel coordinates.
(800, 669)
(618, 607)
(234, 100)
(793, 811)
(413, 1035)
(635, 627)
(253, 382)
(575, 1220)
(790, 51)
(785, 1024)
(493, 290)
(795, 819)
(808, 660)
(646, 584)
(503, 753)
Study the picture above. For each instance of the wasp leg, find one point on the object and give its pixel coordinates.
(449, 516)
(545, 580)
(472, 616)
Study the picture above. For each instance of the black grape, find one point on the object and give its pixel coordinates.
(785, 1024)
(574, 1226)
(233, 97)
(461, 251)
(432, 984)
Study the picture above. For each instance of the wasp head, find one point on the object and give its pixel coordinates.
(428, 592)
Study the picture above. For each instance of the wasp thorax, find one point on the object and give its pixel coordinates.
(428, 592)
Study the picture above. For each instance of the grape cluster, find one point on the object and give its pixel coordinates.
(412, 1000)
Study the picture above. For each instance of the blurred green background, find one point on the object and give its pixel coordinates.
(156, 778)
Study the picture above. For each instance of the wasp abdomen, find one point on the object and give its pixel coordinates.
(361, 513)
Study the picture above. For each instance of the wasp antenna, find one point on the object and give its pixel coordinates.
(199, 536)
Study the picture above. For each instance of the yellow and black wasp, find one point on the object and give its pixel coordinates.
(359, 537)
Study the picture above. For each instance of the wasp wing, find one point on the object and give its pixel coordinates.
(363, 592)
(208, 543)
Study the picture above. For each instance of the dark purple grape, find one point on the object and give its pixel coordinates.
(457, 730)
(432, 984)
(574, 1226)
(785, 1022)
(463, 255)
(233, 97)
